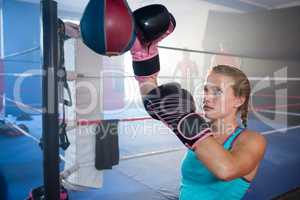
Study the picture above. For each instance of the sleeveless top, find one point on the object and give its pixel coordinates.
(198, 183)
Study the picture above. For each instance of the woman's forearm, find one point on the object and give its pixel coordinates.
(218, 160)
(147, 84)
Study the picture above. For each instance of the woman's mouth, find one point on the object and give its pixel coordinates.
(207, 108)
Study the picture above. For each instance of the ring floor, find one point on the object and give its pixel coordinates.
(155, 177)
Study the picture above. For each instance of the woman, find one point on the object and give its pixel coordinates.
(226, 163)
(223, 159)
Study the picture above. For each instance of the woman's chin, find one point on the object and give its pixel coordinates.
(211, 115)
(208, 115)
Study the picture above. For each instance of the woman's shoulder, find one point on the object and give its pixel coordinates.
(250, 137)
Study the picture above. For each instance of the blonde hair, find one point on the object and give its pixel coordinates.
(241, 87)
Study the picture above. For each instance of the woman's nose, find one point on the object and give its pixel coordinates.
(208, 97)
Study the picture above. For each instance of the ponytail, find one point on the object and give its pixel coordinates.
(244, 114)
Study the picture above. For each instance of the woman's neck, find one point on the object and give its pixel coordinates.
(223, 126)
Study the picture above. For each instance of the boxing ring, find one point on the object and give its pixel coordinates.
(150, 165)
(150, 159)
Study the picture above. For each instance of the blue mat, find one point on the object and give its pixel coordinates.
(153, 177)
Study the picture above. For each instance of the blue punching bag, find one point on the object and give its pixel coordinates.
(107, 27)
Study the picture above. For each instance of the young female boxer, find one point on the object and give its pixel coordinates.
(223, 156)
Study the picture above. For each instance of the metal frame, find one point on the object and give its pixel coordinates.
(50, 122)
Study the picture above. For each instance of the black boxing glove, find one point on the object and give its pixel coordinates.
(176, 108)
(153, 23)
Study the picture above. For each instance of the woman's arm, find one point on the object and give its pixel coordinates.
(147, 84)
(154, 23)
(245, 155)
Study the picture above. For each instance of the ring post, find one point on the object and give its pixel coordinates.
(50, 123)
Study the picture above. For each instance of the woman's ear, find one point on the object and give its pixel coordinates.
(239, 101)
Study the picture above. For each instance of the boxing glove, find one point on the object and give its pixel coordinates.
(175, 107)
(153, 23)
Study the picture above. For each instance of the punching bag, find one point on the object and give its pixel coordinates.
(107, 27)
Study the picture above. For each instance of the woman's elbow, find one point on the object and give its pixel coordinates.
(227, 173)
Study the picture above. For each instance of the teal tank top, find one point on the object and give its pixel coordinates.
(198, 183)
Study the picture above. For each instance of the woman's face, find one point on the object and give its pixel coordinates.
(219, 100)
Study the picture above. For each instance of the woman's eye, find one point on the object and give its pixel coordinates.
(218, 92)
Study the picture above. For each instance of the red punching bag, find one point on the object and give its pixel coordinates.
(107, 26)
